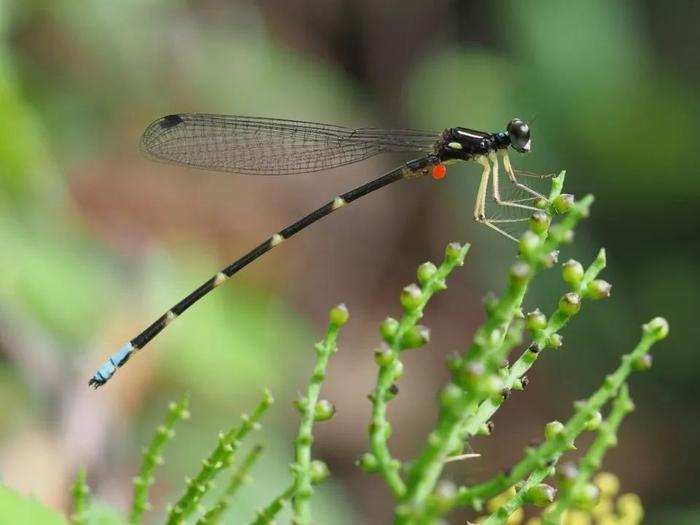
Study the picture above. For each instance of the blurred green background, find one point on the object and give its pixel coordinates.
(96, 241)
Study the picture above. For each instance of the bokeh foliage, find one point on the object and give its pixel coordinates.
(94, 241)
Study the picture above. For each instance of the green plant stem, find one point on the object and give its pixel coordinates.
(267, 515)
(152, 458)
(80, 494)
(483, 355)
(239, 477)
(390, 370)
(301, 469)
(501, 515)
(551, 449)
(425, 471)
(523, 364)
(593, 459)
(217, 460)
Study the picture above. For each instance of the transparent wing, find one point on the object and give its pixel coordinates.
(266, 146)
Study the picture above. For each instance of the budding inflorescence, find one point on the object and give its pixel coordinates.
(482, 378)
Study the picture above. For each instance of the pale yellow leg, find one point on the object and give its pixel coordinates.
(496, 192)
(530, 174)
(525, 199)
(511, 177)
(480, 204)
(491, 169)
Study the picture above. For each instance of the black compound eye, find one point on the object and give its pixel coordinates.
(519, 134)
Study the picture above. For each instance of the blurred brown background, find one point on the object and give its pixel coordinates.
(96, 241)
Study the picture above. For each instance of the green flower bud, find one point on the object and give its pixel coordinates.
(553, 429)
(439, 285)
(598, 289)
(585, 210)
(550, 259)
(563, 203)
(568, 472)
(495, 336)
(564, 235)
(339, 315)
(572, 272)
(570, 304)
(586, 497)
(388, 430)
(444, 495)
(519, 272)
(529, 243)
(267, 399)
(318, 471)
(536, 320)
(540, 495)
(388, 329)
(554, 341)
(595, 421)
(453, 254)
(415, 337)
(411, 297)
(324, 410)
(425, 272)
(301, 404)
(491, 385)
(514, 334)
(490, 303)
(382, 428)
(446, 489)
(454, 362)
(468, 375)
(539, 222)
(642, 362)
(450, 395)
(657, 327)
(368, 463)
(138, 481)
(306, 492)
(541, 203)
(179, 410)
(383, 356)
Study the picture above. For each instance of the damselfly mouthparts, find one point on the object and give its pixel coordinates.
(264, 146)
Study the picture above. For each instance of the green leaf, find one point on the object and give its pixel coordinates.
(100, 513)
(15, 508)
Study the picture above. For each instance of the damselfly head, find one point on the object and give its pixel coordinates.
(519, 134)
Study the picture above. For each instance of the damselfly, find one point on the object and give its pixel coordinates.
(265, 146)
